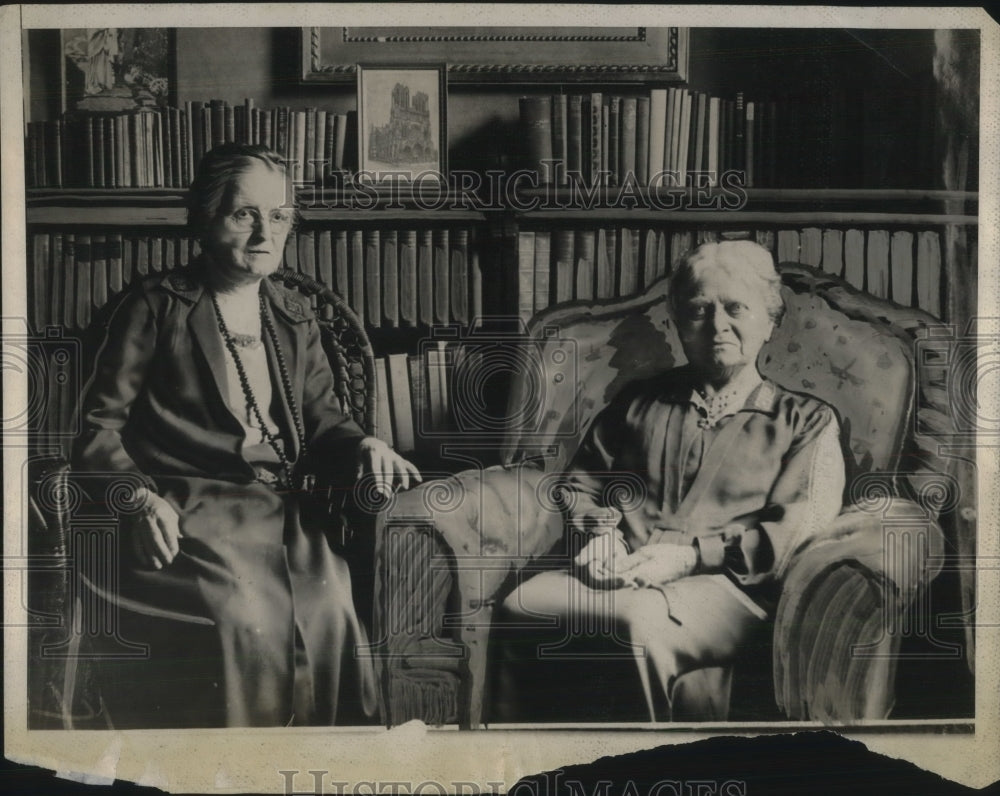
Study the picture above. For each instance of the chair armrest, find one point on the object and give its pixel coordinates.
(836, 628)
(485, 525)
(496, 518)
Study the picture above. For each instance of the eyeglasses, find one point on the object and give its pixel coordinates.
(248, 218)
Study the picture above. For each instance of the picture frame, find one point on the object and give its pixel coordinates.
(117, 69)
(518, 55)
(402, 128)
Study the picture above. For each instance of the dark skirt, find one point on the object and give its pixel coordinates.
(252, 624)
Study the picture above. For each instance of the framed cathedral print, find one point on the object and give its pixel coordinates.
(401, 125)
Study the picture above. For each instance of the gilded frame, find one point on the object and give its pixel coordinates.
(502, 54)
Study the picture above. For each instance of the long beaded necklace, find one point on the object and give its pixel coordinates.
(286, 385)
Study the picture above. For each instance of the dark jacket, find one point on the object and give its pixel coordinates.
(255, 568)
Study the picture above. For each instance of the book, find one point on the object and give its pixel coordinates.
(627, 139)
(217, 118)
(300, 125)
(437, 385)
(585, 248)
(475, 281)
(658, 134)
(649, 257)
(560, 136)
(700, 159)
(442, 301)
(459, 267)
(713, 140)
(83, 297)
(156, 255)
(628, 273)
(197, 113)
(408, 278)
(373, 277)
(684, 147)
(324, 259)
(399, 402)
(291, 254)
(749, 146)
(542, 263)
(425, 277)
(536, 124)
(309, 146)
(167, 148)
(267, 129)
(158, 147)
(739, 131)
(574, 137)
(418, 395)
(603, 172)
(55, 279)
(341, 264)
(525, 275)
(177, 133)
(325, 145)
(281, 132)
(142, 257)
(562, 259)
(169, 253)
(383, 412)
(252, 135)
(99, 270)
(128, 260)
(340, 137)
(595, 148)
(671, 135)
(99, 168)
(40, 273)
(69, 281)
(614, 131)
(642, 140)
(306, 252)
(114, 248)
(725, 136)
(357, 293)
(229, 120)
(390, 278)
(607, 257)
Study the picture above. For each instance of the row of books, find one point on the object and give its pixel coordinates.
(160, 148)
(610, 139)
(587, 264)
(391, 278)
(412, 397)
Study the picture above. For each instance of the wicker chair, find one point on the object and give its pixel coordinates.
(450, 551)
(71, 539)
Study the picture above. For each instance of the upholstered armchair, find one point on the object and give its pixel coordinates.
(448, 552)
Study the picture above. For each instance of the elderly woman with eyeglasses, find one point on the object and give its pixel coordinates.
(736, 471)
(213, 391)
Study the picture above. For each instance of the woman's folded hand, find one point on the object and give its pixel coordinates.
(390, 470)
(155, 531)
(597, 561)
(658, 564)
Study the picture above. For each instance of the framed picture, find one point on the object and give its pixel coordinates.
(401, 124)
(503, 54)
(116, 69)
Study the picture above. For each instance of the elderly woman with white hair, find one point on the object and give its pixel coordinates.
(734, 469)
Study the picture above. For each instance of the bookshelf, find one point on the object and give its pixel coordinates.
(847, 179)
